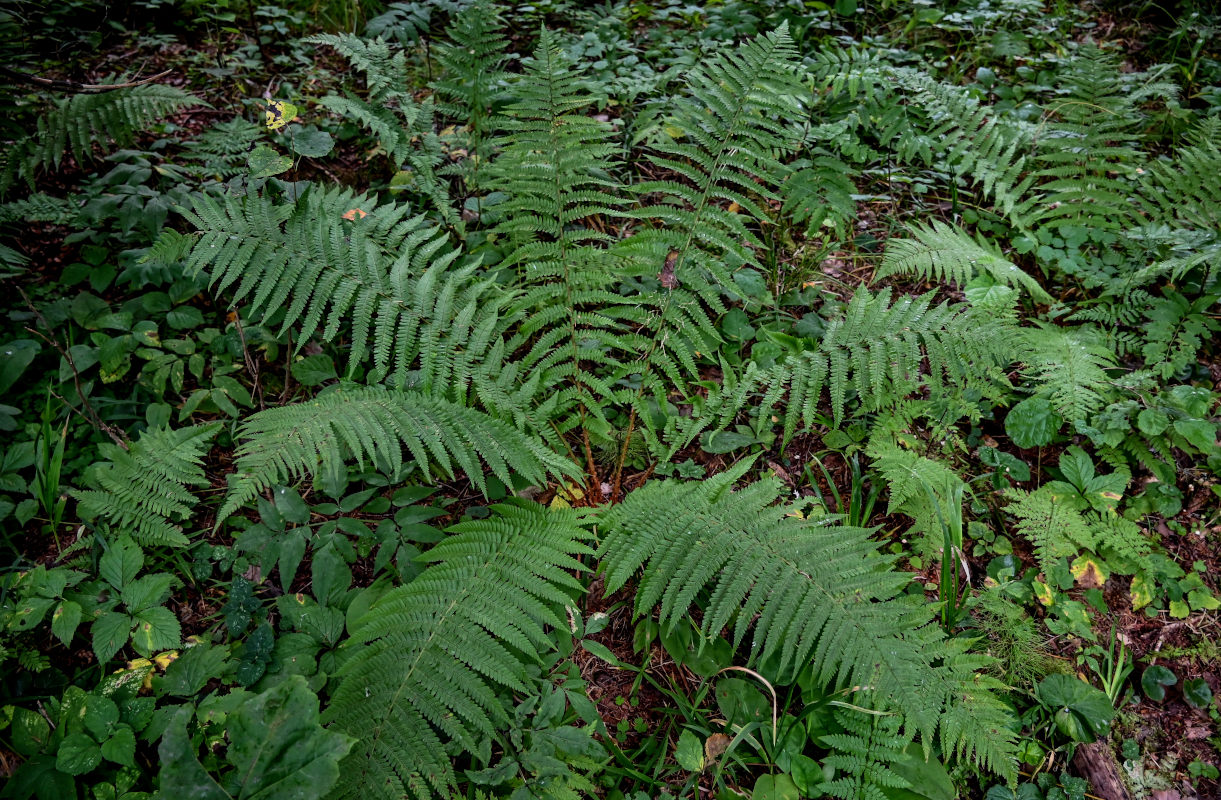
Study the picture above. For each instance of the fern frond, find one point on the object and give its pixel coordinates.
(375, 425)
(222, 150)
(1068, 366)
(808, 591)
(1055, 528)
(403, 126)
(411, 310)
(430, 659)
(80, 122)
(734, 126)
(1089, 150)
(145, 491)
(947, 253)
(876, 349)
(862, 755)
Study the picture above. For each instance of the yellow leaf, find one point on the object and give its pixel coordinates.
(279, 114)
(1142, 592)
(1089, 572)
(1043, 592)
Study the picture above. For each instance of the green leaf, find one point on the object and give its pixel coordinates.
(65, 620)
(156, 629)
(280, 749)
(30, 731)
(101, 715)
(78, 754)
(689, 752)
(1201, 433)
(1197, 693)
(1084, 712)
(1154, 680)
(147, 591)
(110, 633)
(806, 773)
(121, 747)
(290, 505)
(725, 441)
(314, 370)
(1032, 422)
(741, 702)
(312, 144)
(188, 674)
(265, 162)
(179, 766)
(1152, 422)
(928, 778)
(119, 565)
(14, 358)
(775, 787)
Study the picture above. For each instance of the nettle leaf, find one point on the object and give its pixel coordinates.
(78, 754)
(110, 633)
(156, 629)
(277, 748)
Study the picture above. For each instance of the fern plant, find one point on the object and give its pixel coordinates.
(429, 661)
(75, 125)
(423, 322)
(1069, 367)
(805, 592)
(403, 126)
(862, 756)
(145, 490)
(948, 254)
(373, 424)
(875, 349)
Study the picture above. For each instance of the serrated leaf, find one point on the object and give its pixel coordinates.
(156, 629)
(110, 633)
(65, 620)
(1032, 422)
(689, 752)
(78, 754)
(121, 747)
(312, 144)
(264, 162)
(119, 565)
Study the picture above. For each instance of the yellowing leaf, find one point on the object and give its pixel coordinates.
(279, 114)
(1142, 592)
(1043, 593)
(1089, 572)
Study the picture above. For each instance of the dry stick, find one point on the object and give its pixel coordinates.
(88, 413)
(72, 86)
(250, 363)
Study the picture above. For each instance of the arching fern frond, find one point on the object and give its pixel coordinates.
(145, 491)
(403, 126)
(876, 348)
(947, 253)
(80, 122)
(421, 319)
(373, 424)
(734, 124)
(431, 659)
(804, 591)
